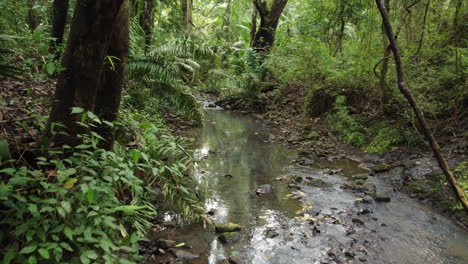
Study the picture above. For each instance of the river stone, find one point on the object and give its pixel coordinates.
(360, 177)
(381, 197)
(229, 227)
(382, 167)
(270, 233)
(235, 260)
(182, 254)
(360, 182)
(265, 188)
(230, 237)
(169, 224)
(163, 243)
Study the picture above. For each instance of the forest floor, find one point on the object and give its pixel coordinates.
(411, 170)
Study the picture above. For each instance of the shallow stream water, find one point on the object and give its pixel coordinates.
(236, 157)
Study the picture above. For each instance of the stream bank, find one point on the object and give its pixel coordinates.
(297, 207)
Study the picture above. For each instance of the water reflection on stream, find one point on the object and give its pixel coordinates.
(236, 157)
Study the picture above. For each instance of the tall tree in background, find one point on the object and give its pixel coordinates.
(93, 27)
(253, 26)
(458, 191)
(187, 7)
(384, 89)
(147, 22)
(33, 19)
(59, 20)
(269, 18)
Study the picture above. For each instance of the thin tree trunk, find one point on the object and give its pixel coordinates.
(59, 21)
(33, 19)
(253, 27)
(187, 6)
(83, 60)
(112, 79)
(421, 39)
(419, 115)
(147, 22)
(385, 93)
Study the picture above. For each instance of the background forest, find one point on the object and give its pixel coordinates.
(92, 198)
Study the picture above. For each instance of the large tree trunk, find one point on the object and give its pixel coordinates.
(419, 115)
(83, 59)
(187, 6)
(59, 21)
(269, 18)
(147, 22)
(112, 79)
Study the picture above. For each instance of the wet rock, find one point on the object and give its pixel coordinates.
(228, 176)
(265, 188)
(235, 260)
(169, 224)
(357, 221)
(382, 167)
(230, 237)
(360, 182)
(381, 197)
(228, 227)
(360, 177)
(163, 243)
(293, 186)
(270, 233)
(349, 254)
(211, 211)
(364, 212)
(211, 105)
(182, 254)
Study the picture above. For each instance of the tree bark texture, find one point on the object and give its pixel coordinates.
(112, 79)
(419, 115)
(269, 18)
(33, 19)
(90, 34)
(385, 91)
(253, 27)
(187, 6)
(59, 20)
(147, 22)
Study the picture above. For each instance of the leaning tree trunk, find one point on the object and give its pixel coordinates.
(269, 18)
(112, 79)
(83, 60)
(419, 115)
(147, 22)
(59, 21)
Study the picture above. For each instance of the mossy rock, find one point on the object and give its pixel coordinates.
(228, 227)
(382, 167)
(381, 197)
(360, 177)
(360, 182)
(230, 237)
(313, 135)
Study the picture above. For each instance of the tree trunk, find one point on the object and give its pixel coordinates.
(59, 21)
(83, 60)
(147, 22)
(385, 91)
(33, 19)
(112, 79)
(253, 27)
(187, 6)
(269, 18)
(419, 115)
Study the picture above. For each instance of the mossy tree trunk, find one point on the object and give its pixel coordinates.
(187, 6)
(269, 18)
(86, 51)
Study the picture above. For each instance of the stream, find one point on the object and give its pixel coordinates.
(327, 224)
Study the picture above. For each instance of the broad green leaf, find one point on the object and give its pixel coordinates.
(50, 68)
(66, 246)
(44, 253)
(66, 205)
(90, 195)
(77, 110)
(68, 233)
(70, 183)
(32, 260)
(28, 249)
